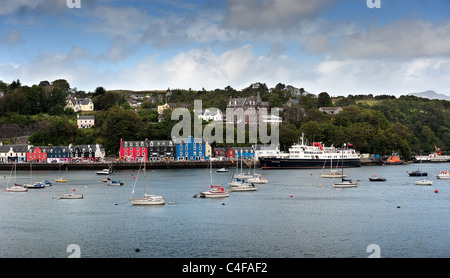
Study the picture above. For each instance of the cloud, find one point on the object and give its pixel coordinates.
(13, 37)
(272, 14)
(401, 39)
(382, 76)
(44, 7)
(118, 51)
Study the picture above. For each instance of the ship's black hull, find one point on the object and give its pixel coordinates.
(286, 163)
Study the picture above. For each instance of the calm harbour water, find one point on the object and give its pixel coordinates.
(403, 219)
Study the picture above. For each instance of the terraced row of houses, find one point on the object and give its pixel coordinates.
(178, 149)
(52, 154)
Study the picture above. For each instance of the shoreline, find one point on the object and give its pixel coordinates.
(118, 165)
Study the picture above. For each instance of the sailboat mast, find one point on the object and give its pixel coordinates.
(210, 171)
(342, 155)
(145, 176)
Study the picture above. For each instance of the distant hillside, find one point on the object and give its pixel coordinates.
(431, 95)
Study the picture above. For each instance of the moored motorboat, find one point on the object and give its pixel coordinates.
(71, 196)
(377, 179)
(114, 183)
(105, 172)
(443, 175)
(424, 182)
(418, 173)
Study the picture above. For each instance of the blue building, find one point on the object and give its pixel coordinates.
(188, 149)
(58, 154)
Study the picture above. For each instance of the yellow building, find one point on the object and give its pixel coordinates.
(82, 105)
(161, 108)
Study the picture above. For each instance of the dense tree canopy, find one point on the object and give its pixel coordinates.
(373, 124)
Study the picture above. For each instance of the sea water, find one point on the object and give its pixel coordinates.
(297, 214)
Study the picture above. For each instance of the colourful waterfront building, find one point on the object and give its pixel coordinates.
(133, 151)
(37, 154)
(191, 149)
(86, 153)
(58, 154)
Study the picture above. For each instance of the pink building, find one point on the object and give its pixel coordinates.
(85, 121)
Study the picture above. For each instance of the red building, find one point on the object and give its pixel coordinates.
(37, 154)
(133, 151)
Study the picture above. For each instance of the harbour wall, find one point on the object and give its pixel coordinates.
(117, 165)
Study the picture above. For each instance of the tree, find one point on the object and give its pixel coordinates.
(121, 123)
(61, 84)
(324, 100)
(312, 130)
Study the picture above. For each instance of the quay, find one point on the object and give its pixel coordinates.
(117, 165)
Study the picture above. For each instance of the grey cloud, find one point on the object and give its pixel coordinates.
(402, 39)
(12, 37)
(272, 14)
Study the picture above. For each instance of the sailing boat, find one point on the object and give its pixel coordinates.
(422, 181)
(257, 178)
(345, 183)
(61, 179)
(147, 199)
(216, 191)
(16, 187)
(241, 184)
(33, 185)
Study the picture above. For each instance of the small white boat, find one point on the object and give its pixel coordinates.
(345, 183)
(423, 182)
(257, 179)
(244, 186)
(443, 175)
(148, 200)
(114, 183)
(222, 170)
(71, 196)
(333, 174)
(216, 191)
(17, 188)
(105, 172)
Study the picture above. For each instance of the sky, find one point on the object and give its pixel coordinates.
(337, 46)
